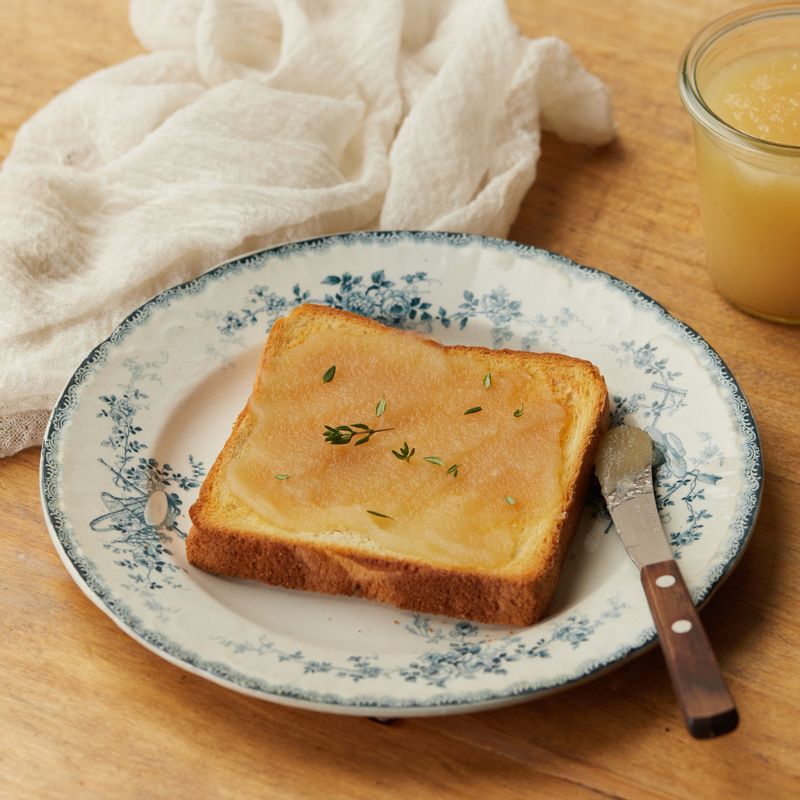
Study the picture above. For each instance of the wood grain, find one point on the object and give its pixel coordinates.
(87, 712)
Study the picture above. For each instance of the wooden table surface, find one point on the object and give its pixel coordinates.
(85, 711)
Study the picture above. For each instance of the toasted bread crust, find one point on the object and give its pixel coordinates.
(218, 545)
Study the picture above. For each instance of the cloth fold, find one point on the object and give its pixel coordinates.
(252, 122)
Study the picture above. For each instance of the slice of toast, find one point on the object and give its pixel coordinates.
(446, 480)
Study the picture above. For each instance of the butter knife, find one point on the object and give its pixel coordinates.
(624, 468)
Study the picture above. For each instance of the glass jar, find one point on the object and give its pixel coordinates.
(749, 186)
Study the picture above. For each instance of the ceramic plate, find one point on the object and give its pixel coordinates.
(144, 416)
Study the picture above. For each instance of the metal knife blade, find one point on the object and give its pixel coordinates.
(632, 506)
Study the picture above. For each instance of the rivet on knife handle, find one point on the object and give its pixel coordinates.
(702, 695)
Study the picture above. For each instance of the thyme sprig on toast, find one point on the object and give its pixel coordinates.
(342, 434)
(404, 453)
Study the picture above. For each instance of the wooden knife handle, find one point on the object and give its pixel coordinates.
(704, 699)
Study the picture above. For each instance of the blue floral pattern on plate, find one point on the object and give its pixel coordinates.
(132, 428)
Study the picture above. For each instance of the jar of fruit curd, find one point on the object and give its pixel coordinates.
(740, 81)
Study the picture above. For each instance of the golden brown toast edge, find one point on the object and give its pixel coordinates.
(217, 546)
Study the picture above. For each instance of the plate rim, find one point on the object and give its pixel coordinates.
(78, 565)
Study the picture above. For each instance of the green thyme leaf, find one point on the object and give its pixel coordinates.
(329, 373)
(282, 476)
(473, 410)
(381, 407)
(378, 514)
(404, 454)
(343, 434)
(433, 460)
(518, 412)
(510, 500)
(487, 381)
(454, 470)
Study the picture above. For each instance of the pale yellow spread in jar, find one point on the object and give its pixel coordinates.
(751, 203)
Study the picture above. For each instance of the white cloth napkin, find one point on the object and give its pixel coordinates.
(252, 122)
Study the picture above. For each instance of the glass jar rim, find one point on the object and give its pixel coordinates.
(687, 75)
